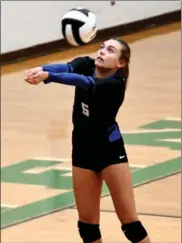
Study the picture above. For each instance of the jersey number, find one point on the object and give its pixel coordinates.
(85, 109)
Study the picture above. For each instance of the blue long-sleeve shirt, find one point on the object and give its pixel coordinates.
(64, 74)
(58, 68)
(72, 79)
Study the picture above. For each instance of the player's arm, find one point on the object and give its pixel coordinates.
(80, 81)
(58, 68)
(71, 67)
(72, 79)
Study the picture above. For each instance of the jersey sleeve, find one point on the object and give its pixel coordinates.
(82, 81)
(72, 79)
(57, 68)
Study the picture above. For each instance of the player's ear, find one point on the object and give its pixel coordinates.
(121, 63)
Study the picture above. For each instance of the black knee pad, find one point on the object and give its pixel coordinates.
(134, 231)
(89, 232)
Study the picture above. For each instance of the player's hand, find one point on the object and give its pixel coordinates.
(37, 77)
(32, 71)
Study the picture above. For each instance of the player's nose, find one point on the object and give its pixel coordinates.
(102, 52)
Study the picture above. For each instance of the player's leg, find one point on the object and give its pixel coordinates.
(119, 181)
(87, 186)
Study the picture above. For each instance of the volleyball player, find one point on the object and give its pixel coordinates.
(98, 151)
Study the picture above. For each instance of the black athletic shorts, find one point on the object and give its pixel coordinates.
(96, 150)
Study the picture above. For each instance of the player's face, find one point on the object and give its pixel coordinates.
(109, 55)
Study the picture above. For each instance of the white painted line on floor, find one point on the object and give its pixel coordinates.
(4, 205)
(68, 174)
(173, 140)
(137, 165)
(52, 158)
(173, 119)
(150, 131)
(41, 170)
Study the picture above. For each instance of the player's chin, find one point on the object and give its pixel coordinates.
(99, 64)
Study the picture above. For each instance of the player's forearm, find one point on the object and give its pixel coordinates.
(72, 79)
(58, 68)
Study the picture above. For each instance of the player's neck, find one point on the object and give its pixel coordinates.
(104, 73)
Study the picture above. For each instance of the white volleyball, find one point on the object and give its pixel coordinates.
(79, 26)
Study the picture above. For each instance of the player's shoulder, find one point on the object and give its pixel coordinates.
(113, 81)
(83, 65)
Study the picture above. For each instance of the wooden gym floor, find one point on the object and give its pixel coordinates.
(36, 146)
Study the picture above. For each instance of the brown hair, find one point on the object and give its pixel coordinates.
(125, 55)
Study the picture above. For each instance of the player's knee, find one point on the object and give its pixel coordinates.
(89, 232)
(134, 231)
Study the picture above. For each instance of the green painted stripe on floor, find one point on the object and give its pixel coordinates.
(157, 171)
(162, 124)
(155, 139)
(36, 209)
(3, 209)
(51, 204)
(51, 178)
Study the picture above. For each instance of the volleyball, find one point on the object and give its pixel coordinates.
(79, 26)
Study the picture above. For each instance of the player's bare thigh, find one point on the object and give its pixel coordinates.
(87, 186)
(119, 181)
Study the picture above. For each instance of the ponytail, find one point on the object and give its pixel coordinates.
(124, 73)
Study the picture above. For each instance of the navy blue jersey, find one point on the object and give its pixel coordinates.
(99, 103)
(96, 138)
(96, 100)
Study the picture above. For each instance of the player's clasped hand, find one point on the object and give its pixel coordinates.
(35, 75)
